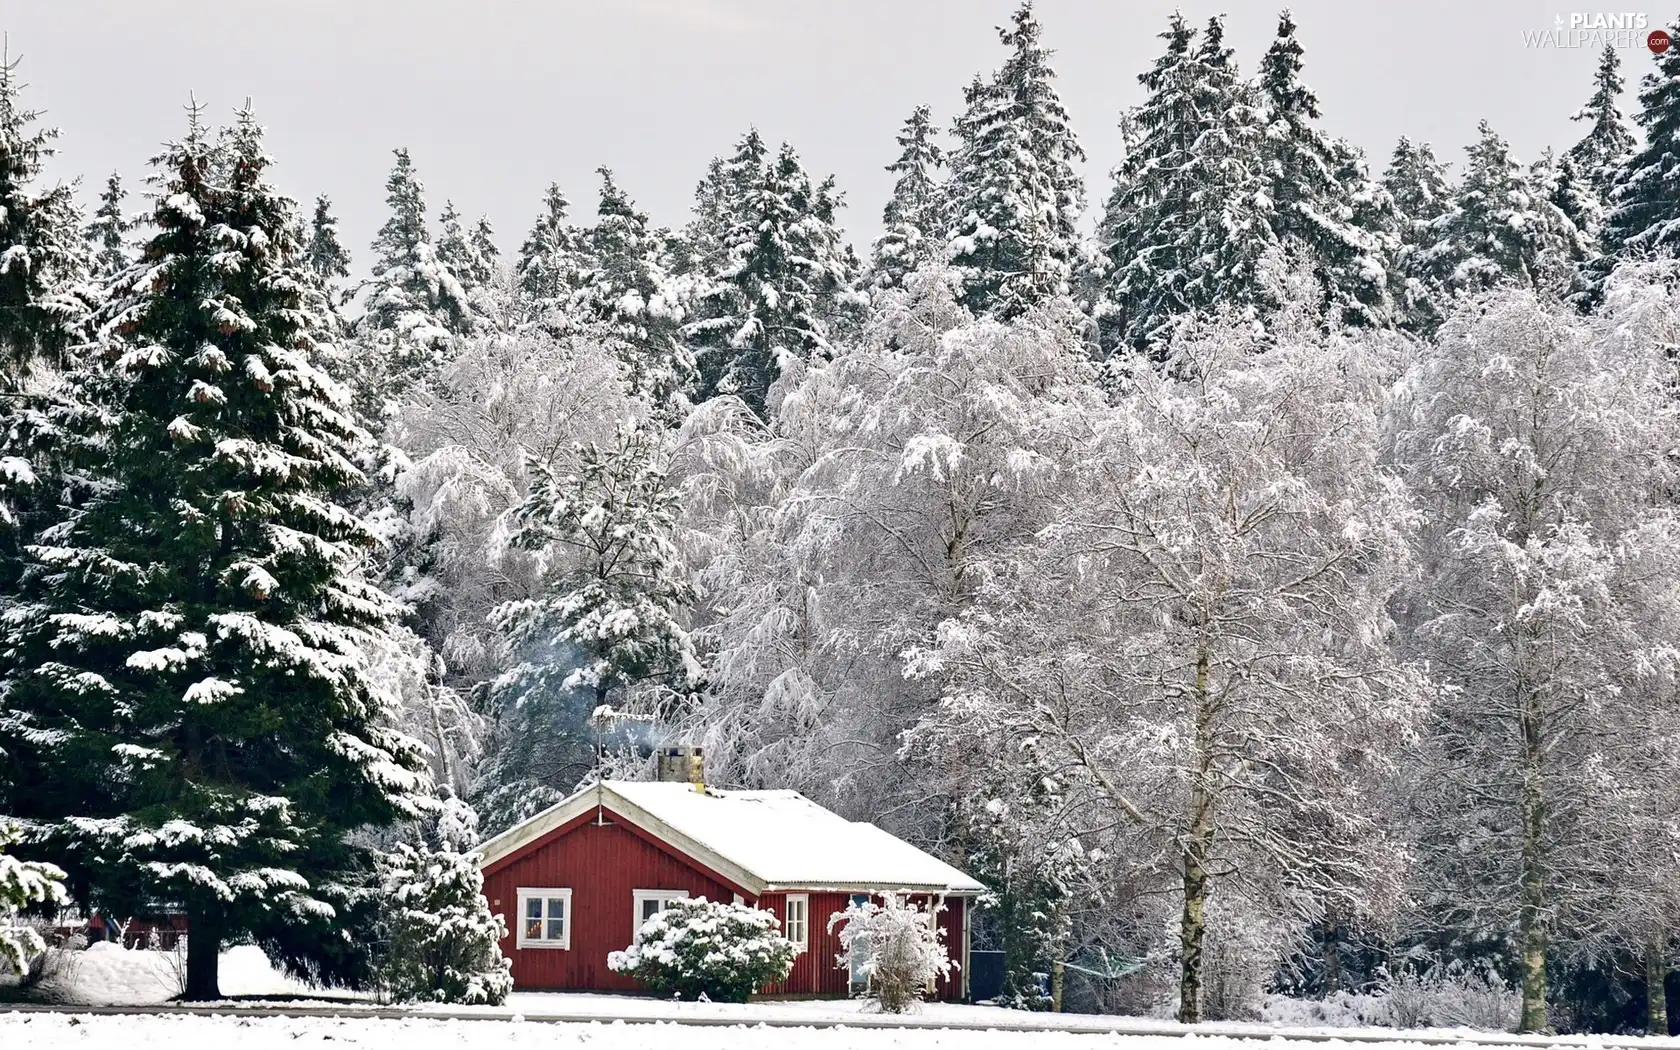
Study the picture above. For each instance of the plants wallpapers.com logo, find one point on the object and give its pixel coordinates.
(1597, 30)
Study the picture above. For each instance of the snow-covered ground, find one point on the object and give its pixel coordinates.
(61, 1031)
(107, 974)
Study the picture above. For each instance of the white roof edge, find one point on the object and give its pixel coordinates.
(533, 827)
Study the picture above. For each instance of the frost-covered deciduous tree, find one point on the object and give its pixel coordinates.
(1194, 649)
(189, 697)
(896, 946)
(508, 399)
(607, 628)
(1538, 443)
(869, 512)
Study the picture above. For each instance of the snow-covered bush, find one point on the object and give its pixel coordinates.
(1450, 996)
(441, 937)
(695, 947)
(23, 883)
(897, 945)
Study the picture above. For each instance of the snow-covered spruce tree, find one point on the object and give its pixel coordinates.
(627, 294)
(1558, 181)
(1543, 603)
(1418, 185)
(23, 884)
(326, 264)
(42, 249)
(767, 311)
(1311, 206)
(607, 628)
(1189, 220)
(1498, 229)
(108, 233)
(1644, 214)
(439, 937)
(896, 946)
(472, 256)
(187, 689)
(720, 201)
(1013, 200)
(1608, 142)
(914, 215)
(323, 253)
(1193, 647)
(414, 306)
(550, 268)
(696, 948)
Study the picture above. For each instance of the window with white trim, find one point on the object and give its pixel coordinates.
(651, 902)
(545, 918)
(796, 920)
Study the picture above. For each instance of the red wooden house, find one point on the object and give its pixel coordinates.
(576, 881)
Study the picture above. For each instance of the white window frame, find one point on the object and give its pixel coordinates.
(664, 897)
(545, 894)
(804, 900)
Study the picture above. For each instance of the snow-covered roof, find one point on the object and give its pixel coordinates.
(763, 841)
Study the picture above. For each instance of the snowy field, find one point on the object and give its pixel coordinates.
(61, 1031)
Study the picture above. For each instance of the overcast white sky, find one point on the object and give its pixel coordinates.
(497, 98)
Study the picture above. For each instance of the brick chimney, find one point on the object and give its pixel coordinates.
(682, 764)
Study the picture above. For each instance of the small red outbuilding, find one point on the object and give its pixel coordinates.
(575, 881)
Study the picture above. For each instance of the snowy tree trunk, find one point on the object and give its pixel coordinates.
(1332, 958)
(1532, 910)
(204, 956)
(1656, 978)
(1197, 841)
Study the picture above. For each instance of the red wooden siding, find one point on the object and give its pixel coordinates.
(950, 987)
(815, 971)
(601, 866)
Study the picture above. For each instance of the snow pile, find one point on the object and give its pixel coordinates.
(107, 974)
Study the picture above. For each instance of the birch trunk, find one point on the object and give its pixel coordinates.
(1531, 918)
(1198, 838)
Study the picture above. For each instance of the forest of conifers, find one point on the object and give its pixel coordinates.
(1267, 587)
